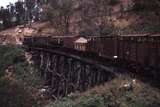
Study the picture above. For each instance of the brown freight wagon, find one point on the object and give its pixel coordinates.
(141, 49)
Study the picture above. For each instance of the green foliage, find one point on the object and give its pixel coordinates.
(98, 31)
(13, 94)
(86, 32)
(143, 28)
(59, 14)
(110, 99)
(107, 30)
(9, 55)
(86, 101)
(18, 79)
(113, 96)
(13, 56)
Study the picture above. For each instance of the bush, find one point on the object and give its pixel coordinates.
(18, 79)
(9, 55)
(86, 101)
(110, 95)
(13, 58)
(13, 94)
(98, 31)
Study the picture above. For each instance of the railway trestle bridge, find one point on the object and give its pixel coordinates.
(67, 72)
(66, 69)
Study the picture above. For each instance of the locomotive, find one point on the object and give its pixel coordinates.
(138, 49)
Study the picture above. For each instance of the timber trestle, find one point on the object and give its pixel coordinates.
(66, 73)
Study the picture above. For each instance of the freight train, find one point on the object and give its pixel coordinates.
(136, 50)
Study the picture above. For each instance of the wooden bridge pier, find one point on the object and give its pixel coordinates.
(65, 74)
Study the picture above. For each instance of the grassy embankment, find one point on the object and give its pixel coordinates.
(112, 94)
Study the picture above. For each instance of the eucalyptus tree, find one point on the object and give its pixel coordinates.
(4, 17)
(33, 9)
(1, 18)
(29, 5)
(19, 7)
(59, 13)
(95, 15)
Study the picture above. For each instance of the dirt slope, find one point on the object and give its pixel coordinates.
(129, 21)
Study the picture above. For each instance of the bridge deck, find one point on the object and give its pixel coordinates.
(108, 64)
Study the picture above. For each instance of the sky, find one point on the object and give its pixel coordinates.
(4, 3)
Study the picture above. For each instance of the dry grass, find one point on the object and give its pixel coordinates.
(113, 94)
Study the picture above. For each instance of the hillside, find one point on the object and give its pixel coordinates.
(16, 34)
(126, 16)
(113, 94)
